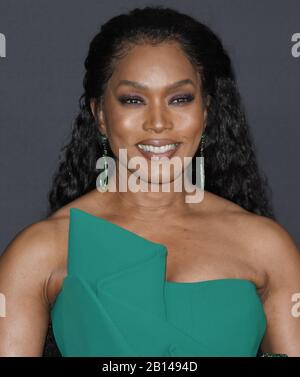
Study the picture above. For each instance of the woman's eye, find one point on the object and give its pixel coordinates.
(183, 99)
(126, 100)
(130, 100)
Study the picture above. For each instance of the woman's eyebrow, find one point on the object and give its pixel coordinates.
(138, 85)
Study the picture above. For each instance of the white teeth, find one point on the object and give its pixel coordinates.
(153, 149)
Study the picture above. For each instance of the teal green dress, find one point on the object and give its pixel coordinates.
(116, 301)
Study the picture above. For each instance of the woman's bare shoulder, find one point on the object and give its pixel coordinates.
(263, 241)
(266, 237)
(274, 248)
(269, 245)
(261, 233)
(26, 265)
(37, 246)
(38, 253)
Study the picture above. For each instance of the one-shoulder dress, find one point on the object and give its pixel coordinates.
(115, 301)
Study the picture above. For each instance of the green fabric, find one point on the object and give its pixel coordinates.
(116, 301)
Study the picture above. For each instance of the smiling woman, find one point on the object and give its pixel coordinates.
(130, 272)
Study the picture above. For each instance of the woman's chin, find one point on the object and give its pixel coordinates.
(138, 179)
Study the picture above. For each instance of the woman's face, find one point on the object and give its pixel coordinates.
(142, 106)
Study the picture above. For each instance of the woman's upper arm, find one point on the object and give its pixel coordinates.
(25, 266)
(282, 263)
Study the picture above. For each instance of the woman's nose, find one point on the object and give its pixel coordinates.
(158, 118)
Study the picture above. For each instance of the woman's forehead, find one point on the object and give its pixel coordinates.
(154, 66)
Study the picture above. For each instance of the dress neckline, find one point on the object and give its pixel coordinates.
(165, 251)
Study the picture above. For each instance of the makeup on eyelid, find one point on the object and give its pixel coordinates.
(186, 97)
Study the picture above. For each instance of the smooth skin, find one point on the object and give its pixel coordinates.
(212, 239)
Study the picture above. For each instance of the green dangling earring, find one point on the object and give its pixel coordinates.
(103, 177)
(202, 172)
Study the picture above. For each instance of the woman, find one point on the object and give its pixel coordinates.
(150, 273)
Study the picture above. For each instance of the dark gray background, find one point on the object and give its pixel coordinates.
(41, 81)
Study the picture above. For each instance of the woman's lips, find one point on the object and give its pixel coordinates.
(159, 155)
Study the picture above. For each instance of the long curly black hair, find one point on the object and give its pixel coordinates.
(231, 168)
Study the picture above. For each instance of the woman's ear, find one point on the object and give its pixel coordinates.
(97, 112)
(93, 107)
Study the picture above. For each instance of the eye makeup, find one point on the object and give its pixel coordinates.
(136, 100)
